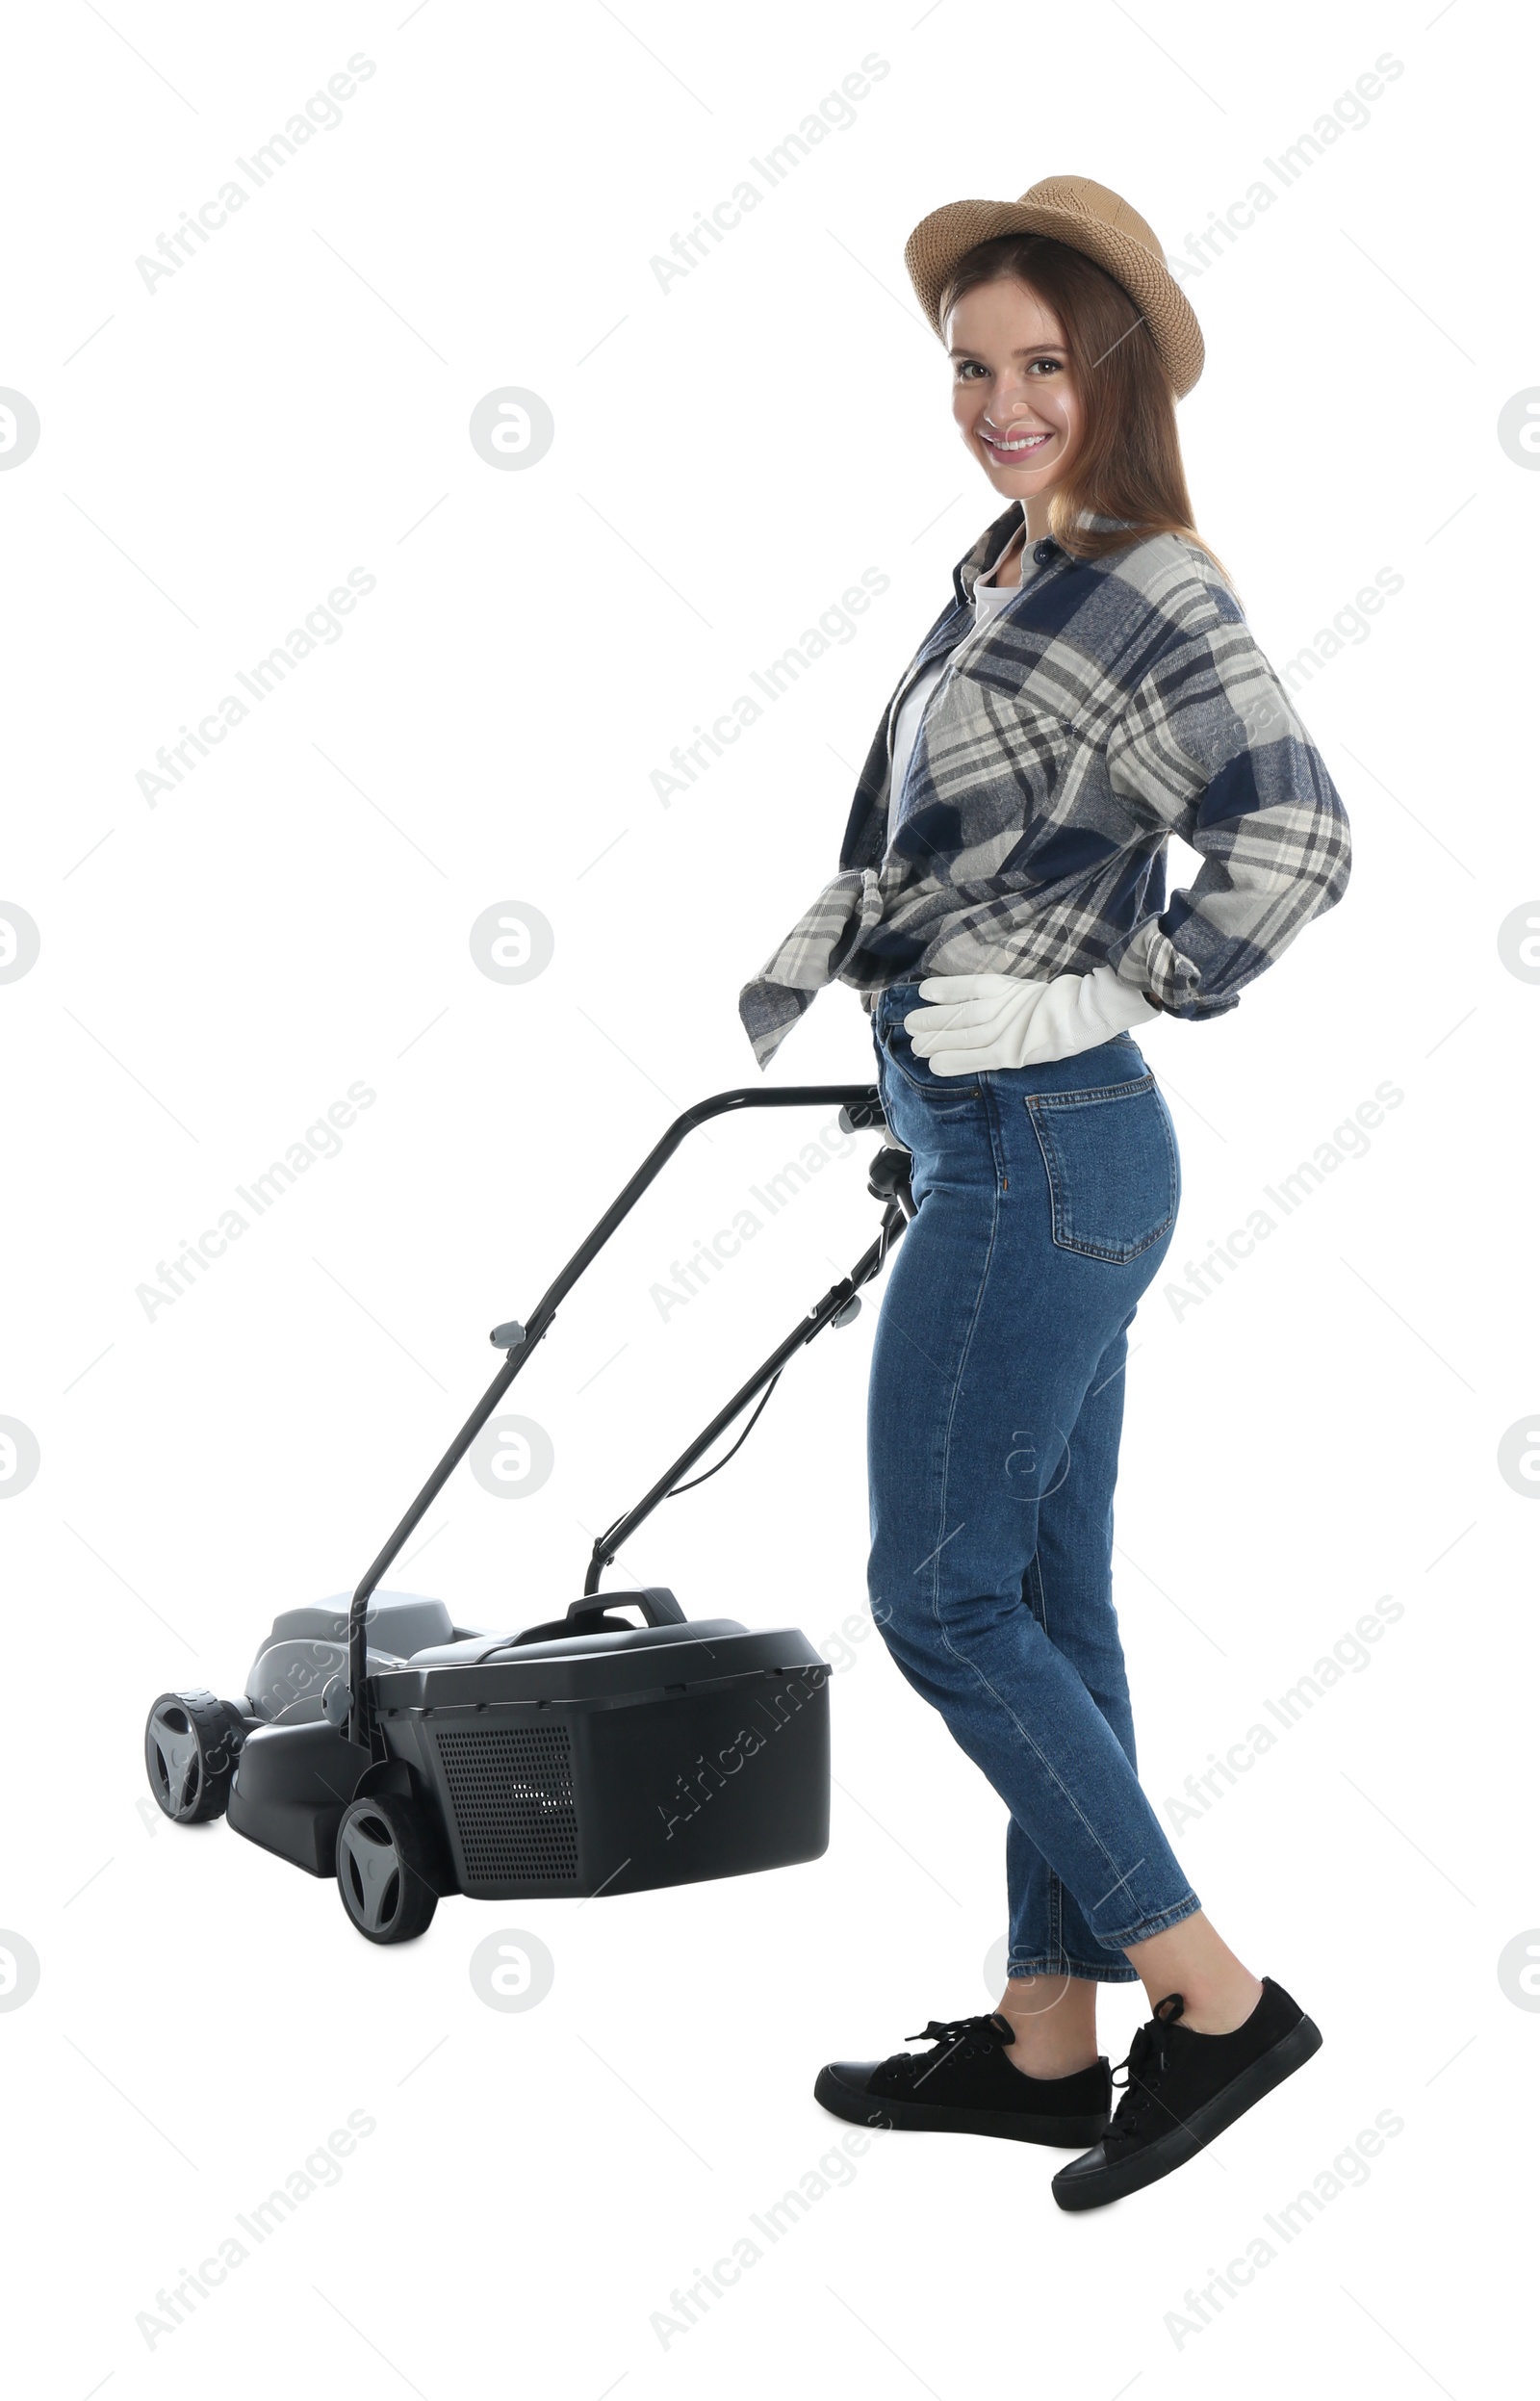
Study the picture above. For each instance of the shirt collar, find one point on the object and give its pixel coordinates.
(996, 537)
(985, 552)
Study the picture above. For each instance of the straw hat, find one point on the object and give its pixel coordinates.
(1086, 216)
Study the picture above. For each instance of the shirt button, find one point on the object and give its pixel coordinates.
(1043, 553)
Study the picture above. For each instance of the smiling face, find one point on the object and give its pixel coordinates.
(1013, 393)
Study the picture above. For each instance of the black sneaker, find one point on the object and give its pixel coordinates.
(966, 2085)
(1184, 2088)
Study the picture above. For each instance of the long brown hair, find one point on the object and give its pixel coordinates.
(1127, 463)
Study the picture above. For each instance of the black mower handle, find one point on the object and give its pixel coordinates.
(861, 1105)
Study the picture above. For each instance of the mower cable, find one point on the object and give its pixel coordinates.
(675, 1491)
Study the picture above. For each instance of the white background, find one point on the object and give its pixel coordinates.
(215, 969)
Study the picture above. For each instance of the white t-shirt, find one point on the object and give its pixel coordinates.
(988, 598)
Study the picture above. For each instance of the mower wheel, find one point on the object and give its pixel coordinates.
(191, 1742)
(382, 1868)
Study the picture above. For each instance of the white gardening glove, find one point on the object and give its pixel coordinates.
(979, 1022)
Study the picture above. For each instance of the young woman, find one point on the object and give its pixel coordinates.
(1092, 688)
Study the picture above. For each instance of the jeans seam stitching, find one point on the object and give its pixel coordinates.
(951, 1415)
(1046, 1765)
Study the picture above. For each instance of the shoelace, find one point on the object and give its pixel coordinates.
(1143, 2071)
(953, 2037)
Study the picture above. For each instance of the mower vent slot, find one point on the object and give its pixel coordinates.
(511, 1791)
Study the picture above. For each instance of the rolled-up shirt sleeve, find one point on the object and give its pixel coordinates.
(1210, 748)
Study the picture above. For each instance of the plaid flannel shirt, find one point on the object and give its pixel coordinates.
(1113, 703)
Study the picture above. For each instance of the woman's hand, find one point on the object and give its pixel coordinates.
(975, 1023)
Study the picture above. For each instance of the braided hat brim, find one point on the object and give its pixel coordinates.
(941, 240)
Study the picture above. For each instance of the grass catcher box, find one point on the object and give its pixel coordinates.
(616, 1761)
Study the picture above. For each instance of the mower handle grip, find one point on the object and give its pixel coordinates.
(656, 1602)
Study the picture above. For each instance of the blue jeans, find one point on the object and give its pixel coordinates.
(1047, 1200)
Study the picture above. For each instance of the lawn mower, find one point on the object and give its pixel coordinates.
(381, 1741)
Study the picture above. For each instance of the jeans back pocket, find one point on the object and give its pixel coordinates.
(1114, 1176)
